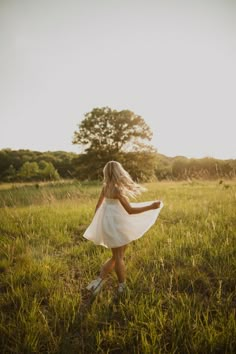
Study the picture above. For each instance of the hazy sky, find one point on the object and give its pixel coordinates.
(172, 62)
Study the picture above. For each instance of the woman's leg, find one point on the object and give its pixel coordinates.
(97, 284)
(115, 261)
(118, 254)
(107, 267)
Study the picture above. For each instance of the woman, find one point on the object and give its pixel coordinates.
(117, 222)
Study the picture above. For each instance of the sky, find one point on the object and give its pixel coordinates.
(172, 62)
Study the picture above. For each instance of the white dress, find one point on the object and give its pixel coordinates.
(112, 226)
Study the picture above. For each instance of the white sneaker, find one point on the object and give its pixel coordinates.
(121, 288)
(95, 285)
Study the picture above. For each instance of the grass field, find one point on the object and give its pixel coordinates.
(181, 274)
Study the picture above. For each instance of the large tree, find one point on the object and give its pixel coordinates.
(111, 131)
(105, 134)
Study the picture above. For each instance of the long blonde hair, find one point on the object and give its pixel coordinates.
(117, 180)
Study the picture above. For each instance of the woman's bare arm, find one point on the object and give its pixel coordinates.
(100, 200)
(133, 210)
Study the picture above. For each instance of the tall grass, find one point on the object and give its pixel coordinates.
(181, 274)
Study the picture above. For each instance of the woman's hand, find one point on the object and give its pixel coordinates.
(156, 205)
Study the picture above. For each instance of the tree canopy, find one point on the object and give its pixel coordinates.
(105, 134)
(110, 131)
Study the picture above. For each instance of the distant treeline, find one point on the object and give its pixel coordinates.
(27, 165)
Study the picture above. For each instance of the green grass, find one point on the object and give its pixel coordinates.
(181, 274)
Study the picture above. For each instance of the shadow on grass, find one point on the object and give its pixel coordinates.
(81, 337)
